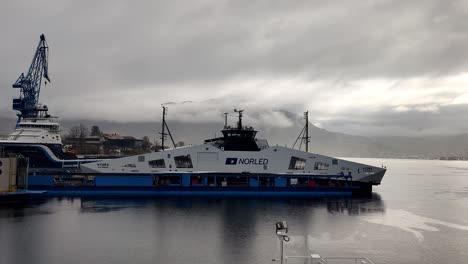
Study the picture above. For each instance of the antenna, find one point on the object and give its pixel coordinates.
(306, 138)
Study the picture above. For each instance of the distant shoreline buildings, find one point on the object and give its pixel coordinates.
(107, 143)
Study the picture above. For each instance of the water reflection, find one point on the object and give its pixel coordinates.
(233, 208)
(357, 206)
(176, 230)
(23, 209)
(108, 205)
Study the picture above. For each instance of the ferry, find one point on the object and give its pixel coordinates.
(237, 163)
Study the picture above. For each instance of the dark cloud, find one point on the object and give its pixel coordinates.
(110, 58)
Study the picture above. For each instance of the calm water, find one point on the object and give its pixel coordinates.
(418, 215)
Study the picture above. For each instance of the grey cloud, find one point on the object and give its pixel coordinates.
(124, 43)
(162, 47)
(449, 119)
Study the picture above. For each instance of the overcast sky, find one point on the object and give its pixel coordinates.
(360, 67)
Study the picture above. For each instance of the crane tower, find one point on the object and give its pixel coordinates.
(27, 104)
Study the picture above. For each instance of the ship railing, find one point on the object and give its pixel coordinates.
(317, 259)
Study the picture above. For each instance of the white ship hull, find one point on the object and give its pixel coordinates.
(209, 159)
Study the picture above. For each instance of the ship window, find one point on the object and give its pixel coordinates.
(207, 156)
(141, 158)
(159, 163)
(367, 169)
(297, 163)
(129, 166)
(335, 162)
(321, 166)
(183, 161)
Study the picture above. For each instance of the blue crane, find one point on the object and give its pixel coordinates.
(27, 104)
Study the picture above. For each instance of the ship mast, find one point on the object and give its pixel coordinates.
(306, 138)
(163, 127)
(304, 135)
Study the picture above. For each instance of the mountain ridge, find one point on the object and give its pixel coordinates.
(322, 141)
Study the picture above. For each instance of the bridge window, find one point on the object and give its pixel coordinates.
(159, 163)
(321, 165)
(184, 161)
(297, 163)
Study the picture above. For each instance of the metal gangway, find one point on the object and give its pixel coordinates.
(282, 233)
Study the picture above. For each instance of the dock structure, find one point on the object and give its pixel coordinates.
(14, 180)
(8, 174)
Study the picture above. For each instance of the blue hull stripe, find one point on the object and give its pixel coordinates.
(194, 191)
(141, 193)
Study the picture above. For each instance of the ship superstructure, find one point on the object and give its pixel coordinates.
(36, 130)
